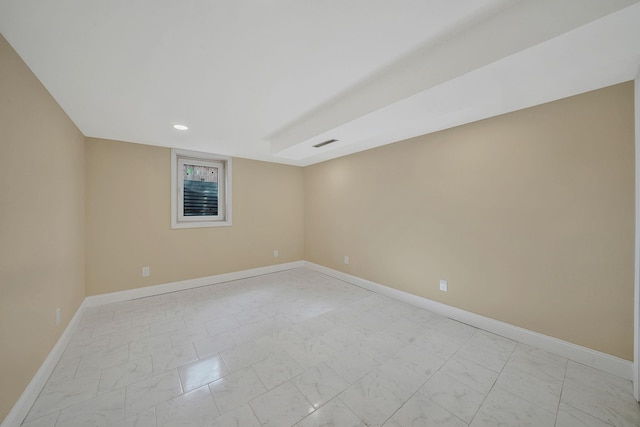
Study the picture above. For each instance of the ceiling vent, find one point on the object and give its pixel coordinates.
(322, 144)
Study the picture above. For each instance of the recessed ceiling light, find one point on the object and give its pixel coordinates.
(181, 127)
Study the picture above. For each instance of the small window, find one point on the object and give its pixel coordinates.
(200, 189)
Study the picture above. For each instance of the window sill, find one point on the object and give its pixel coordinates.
(201, 224)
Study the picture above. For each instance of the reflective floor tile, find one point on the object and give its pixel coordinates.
(370, 401)
(193, 409)
(470, 373)
(503, 409)
(600, 404)
(282, 406)
(236, 389)
(351, 364)
(402, 381)
(100, 411)
(128, 373)
(46, 421)
(174, 357)
(107, 358)
(320, 384)
(326, 346)
(333, 414)
(456, 397)
(538, 362)
(152, 391)
(145, 418)
(536, 389)
(312, 352)
(239, 417)
(423, 364)
(277, 369)
(614, 387)
(202, 372)
(244, 355)
(189, 335)
(56, 396)
(488, 350)
(420, 411)
(214, 345)
(571, 417)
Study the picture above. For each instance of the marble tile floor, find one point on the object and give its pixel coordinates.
(299, 348)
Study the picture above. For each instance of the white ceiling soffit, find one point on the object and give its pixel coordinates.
(531, 53)
(596, 55)
(267, 79)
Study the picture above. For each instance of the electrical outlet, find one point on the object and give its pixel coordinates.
(276, 254)
(146, 272)
(57, 316)
(444, 286)
(346, 260)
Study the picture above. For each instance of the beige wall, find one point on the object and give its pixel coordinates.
(41, 224)
(129, 223)
(529, 216)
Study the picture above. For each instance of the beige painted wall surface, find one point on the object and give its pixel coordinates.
(129, 222)
(529, 216)
(41, 224)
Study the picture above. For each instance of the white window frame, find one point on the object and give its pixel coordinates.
(178, 159)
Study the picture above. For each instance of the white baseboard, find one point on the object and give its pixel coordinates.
(21, 408)
(30, 394)
(605, 362)
(165, 288)
(596, 359)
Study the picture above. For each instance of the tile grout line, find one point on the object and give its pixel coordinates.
(495, 381)
(179, 310)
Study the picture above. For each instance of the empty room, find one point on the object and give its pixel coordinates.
(274, 213)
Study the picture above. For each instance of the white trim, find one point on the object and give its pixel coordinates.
(30, 394)
(596, 359)
(613, 365)
(227, 189)
(636, 287)
(148, 291)
(219, 166)
(28, 397)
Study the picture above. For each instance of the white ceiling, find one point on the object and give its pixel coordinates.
(267, 79)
